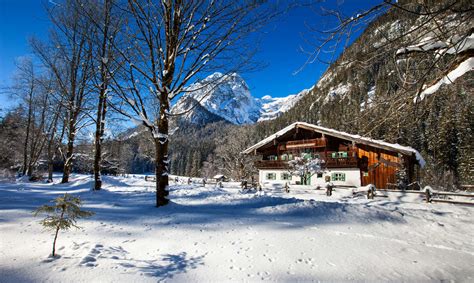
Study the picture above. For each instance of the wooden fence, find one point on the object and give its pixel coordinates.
(435, 196)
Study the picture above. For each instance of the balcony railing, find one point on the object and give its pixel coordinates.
(347, 162)
(271, 164)
(311, 143)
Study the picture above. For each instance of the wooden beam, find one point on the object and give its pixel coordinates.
(452, 201)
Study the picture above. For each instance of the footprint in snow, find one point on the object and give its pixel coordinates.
(89, 261)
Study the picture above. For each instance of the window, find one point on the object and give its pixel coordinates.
(285, 176)
(307, 156)
(271, 176)
(284, 157)
(272, 157)
(338, 177)
(316, 155)
(340, 154)
(290, 156)
(320, 175)
(365, 174)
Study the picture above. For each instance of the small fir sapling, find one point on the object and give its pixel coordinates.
(62, 215)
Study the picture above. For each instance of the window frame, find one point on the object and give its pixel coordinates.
(285, 176)
(338, 176)
(270, 174)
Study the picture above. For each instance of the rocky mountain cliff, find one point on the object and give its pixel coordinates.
(228, 98)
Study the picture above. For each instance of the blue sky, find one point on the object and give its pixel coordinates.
(279, 47)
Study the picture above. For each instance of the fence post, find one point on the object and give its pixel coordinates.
(428, 195)
(371, 192)
(329, 190)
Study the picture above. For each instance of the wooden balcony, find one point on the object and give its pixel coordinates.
(348, 162)
(271, 164)
(311, 143)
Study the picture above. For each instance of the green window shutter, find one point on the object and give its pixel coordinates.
(271, 176)
(285, 176)
(338, 177)
(333, 155)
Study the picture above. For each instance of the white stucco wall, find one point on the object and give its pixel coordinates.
(352, 177)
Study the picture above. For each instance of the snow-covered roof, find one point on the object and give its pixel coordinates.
(218, 177)
(356, 138)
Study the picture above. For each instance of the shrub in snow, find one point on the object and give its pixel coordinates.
(62, 215)
(304, 166)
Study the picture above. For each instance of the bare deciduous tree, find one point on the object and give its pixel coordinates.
(68, 58)
(106, 23)
(168, 45)
(36, 93)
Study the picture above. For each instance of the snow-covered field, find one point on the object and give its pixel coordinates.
(209, 234)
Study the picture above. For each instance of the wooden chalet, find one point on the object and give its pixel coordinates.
(348, 160)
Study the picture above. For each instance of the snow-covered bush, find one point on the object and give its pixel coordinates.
(304, 167)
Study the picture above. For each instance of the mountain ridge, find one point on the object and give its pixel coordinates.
(228, 97)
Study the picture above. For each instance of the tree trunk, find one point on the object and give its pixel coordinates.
(51, 143)
(98, 143)
(102, 107)
(50, 170)
(29, 172)
(28, 124)
(69, 155)
(54, 242)
(50, 156)
(161, 157)
(57, 232)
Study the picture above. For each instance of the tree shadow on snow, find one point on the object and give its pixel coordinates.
(166, 268)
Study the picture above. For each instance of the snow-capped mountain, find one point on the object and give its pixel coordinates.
(194, 112)
(228, 97)
(272, 107)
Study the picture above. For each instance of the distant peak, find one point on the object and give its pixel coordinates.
(228, 96)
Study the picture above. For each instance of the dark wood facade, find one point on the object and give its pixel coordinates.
(378, 164)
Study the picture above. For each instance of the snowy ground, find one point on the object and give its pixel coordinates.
(211, 234)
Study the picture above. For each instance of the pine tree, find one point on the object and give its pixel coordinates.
(465, 120)
(62, 215)
(196, 163)
(188, 164)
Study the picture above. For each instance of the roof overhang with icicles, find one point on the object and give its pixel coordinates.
(406, 150)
